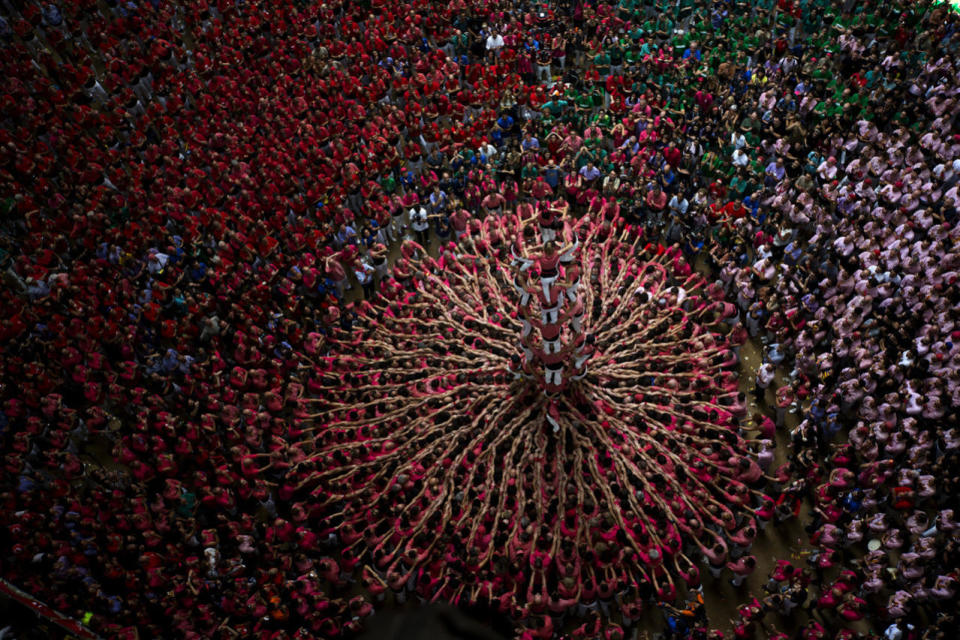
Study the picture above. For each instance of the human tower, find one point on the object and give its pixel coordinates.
(547, 281)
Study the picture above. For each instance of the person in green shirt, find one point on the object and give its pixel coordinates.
(685, 8)
(739, 184)
(602, 62)
(819, 111)
(820, 72)
(599, 96)
(466, 156)
(584, 157)
(389, 184)
(836, 108)
(625, 9)
(603, 119)
(555, 107)
(188, 503)
(665, 26)
(710, 164)
(584, 102)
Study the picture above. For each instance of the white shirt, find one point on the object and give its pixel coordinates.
(154, 266)
(494, 42)
(893, 632)
(765, 375)
(364, 272)
(418, 219)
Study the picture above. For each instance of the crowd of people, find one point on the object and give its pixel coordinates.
(434, 463)
(191, 191)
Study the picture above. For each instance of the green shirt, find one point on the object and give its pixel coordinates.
(834, 110)
(603, 120)
(555, 107)
(738, 185)
(388, 183)
(586, 156)
(584, 101)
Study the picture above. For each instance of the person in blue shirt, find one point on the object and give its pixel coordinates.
(787, 103)
(529, 143)
(589, 172)
(774, 172)
(752, 204)
(630, 146)
(438, 199)
(51, 15)
(368, 233)
(692, 52)
(718, 17)
(853, 501)
(551, 174)
(667, 179)
(831, 427)
(505, 122)
(25, 484)
(692, 246)
(407, 179)
(345, 235)
(792, 253)
(774, 354)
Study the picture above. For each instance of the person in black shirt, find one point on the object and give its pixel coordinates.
(543, 65)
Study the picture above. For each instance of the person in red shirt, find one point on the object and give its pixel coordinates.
(734, 210)
(656, 204)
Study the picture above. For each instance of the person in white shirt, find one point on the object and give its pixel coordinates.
(494, 45)
(765, 375)
(487, 150)
(740, 159)
(419, 220)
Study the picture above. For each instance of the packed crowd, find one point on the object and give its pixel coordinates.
(189, 191)
(433, 459)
